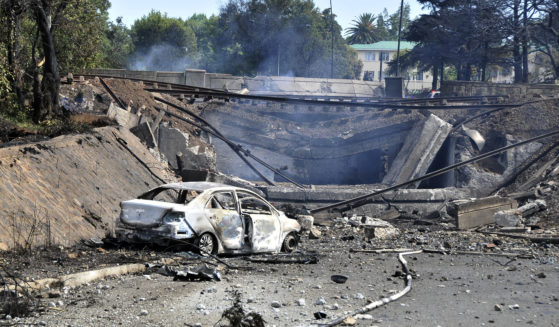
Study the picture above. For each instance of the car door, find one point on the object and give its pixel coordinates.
(221, 210)
(263, 227)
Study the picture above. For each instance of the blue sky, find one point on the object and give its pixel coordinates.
(346, 10)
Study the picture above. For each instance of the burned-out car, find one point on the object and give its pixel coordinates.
(215, 218)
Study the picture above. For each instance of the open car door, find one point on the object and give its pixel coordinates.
(263, 227)
(223, 214)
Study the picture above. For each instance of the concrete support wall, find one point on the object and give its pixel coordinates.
(420, 148)
(272, 85)
(464, 88)
(421, 200)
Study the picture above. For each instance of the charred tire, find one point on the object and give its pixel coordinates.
(290, 243)
(206, 244)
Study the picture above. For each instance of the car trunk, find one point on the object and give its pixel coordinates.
(145, 213)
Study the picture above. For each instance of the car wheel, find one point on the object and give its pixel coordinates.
(206, 244)
(290, 243)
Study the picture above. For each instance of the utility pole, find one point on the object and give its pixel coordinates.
(399, 38)
(332, 36)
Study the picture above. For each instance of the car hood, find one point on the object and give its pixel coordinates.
(146, 213)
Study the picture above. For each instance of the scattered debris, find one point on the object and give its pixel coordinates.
(296, 258)
(315, 233)
(236, 316)
(340, 279)
(384, 300)
(320, 315)
(200, 273)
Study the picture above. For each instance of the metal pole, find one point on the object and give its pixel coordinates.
(399, 38)
(332, 36)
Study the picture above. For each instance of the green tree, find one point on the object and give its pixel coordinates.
(117, 45)
(42, 38)
(205, 30)
(363, 30)
(546, 32)
(162, 43)
(285, 37)
(465, 34)
(78, 45)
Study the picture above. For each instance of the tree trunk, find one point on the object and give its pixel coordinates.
(525, 43)
(484, 62)
(13, 47)
(435, 77)
(47, 106)
(468, 72)
(517, 57)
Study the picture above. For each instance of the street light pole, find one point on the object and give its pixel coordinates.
(332, 36)
(399, 38)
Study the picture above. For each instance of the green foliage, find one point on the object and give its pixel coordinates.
(465, 34)
(206, 30)
(4, 73)
(267, 37)
(117, 45)
(363, 30)
(80, 34)
(162, 43)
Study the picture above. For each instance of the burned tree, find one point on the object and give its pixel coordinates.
(546, 31)
(45, 93)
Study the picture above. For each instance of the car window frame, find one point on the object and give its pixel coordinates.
(273, 210)
(213, 194)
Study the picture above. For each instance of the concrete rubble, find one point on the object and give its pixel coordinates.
(419, 150)
(478, 212)
(516, 217)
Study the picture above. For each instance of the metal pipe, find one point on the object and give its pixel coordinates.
(384, 300)
(111, 93)
(432, 174)
(332, 36)
(399, 38)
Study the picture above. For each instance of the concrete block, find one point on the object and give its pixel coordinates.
(172, 141)
(195, 77)
(508, 218)
(145, 134)
(194, 161)
(122, 117)
(305, 221)
(394, 87)
(419, 150)
(478, 212)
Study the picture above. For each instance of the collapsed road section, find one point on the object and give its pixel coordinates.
(486, 223)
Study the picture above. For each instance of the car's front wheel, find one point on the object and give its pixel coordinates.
(290, 243)
(206, 244)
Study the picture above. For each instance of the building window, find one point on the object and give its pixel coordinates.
(369, 75)
(418, 76)
(384, 56)
(370, 56)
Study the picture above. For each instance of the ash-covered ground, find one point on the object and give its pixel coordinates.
(482, 280)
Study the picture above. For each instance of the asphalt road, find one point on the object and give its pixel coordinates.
(448, 290)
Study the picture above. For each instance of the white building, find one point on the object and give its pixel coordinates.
(375, 57)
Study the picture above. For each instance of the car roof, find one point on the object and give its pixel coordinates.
(198, 186)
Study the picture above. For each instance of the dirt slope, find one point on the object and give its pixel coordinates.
(69, 187)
